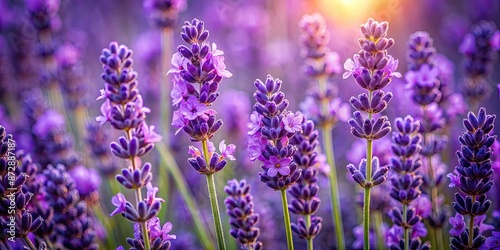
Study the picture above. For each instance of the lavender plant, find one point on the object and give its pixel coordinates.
(305, 191)
(16, 219)
(373, 69)
(123, 108)
(406, 184)
(475, 175)
(197, 73)
(320, 65)
(243, 220)
(424, 81)
(271, 128)
(479, 47)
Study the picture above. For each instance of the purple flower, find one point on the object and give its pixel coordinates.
(227, 151)
(192, 108)
(425, 77)
(493, 242)
(119, 202)
(151, 194)
(293, 122)
(178, 121)
(479, 222)
(454, 179)
(391, 67)
(418, 230)
(220, 67)
(277, 165)
(150, 136)
(352, 66)
(49, 121)
(255, 123)
(332, 63)
(495, 40)
(179, 92)
(423, 206)
(87, 180)
(458, 225)
(157, 231)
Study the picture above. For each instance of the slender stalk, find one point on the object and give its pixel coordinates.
(471, 225)
(180, 182)
(215, 211)
(377, 220)
(310, 245)
(406, 229)
(29, 243)
(366, 204)
(326, 132)
(286, 218)
(48, 242)
(166, 54)
(439, 238)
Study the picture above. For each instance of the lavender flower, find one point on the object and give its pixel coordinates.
(16, 219)
(73, 226)
(70, 74)
(164, 13)
(407, 181)
(124, 110)
(493, 242)
(479, 47)
(475, 170)
(373, 69)
(305, 191)
(243, 220)
(43, 14)
(273, 126)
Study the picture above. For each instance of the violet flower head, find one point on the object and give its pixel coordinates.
(270, 140)
(478, 48)
(43, 14)
(305, 191)
(314, 39)
(423, 73)
(164, 13)
(475, 171)
(242, 218)
(158, 235)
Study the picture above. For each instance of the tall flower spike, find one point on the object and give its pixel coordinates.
(475, 173)
(243, 220)
(305, 191)
(198, 69)
(123, 108)
(270, 132)
(406, 182)
(372, 69)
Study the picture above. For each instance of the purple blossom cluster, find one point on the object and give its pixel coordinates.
(475, 180)
(406, 182)
(243, 220)
(270, 130)
(123, 108)
(305, 191)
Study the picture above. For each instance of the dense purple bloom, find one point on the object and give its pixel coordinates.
(475, 171)
(243, 220)
(272, 138)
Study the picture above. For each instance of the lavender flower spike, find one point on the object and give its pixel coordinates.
(271, 128)
(243, 220)
(372, 69)
(475, 171)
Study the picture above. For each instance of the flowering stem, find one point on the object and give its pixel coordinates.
(215, 211)
(471, 224)
(286, 218)
(326, 132)
(166, 54)
(406, 229)
(366, 204)
(48, 242)
(29, 243)
(378, 221)
(180, 182)
(310, 245)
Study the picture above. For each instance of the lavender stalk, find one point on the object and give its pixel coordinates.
(197, 73)
(320, 65)
(373, 70)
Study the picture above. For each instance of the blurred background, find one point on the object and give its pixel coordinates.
(258, 37)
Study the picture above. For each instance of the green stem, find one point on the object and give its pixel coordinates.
(406, 229)
(48, 242)
(180, 182)
(286, 218)
(439, 236)
(326, 132)
(215, 211)
(29, 243)
(366, 204)
(378, 221)
(310, 245)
